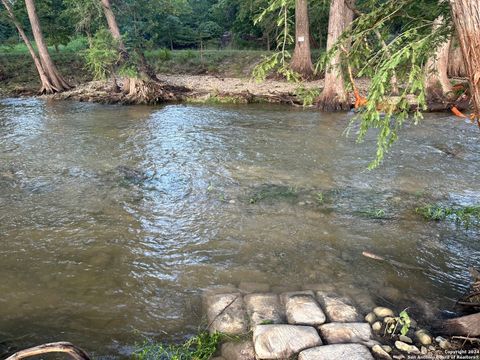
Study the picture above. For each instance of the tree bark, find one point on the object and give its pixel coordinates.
(466, 17)
(334, 97)
(113, 27)
(456, 63)
(47, 86)
(437, 85)
(47, 64)
(302, 59)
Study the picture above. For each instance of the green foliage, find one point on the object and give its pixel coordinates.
(77, 44)
(87, 15)
(307, 96)
(200, 347)
(464, 215)
(102, 55)
(279, 61)
(164, 54)
(403, 321)
(406, 27)
(320, 198)
(129, 71)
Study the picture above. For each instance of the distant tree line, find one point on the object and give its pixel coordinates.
(172, 24)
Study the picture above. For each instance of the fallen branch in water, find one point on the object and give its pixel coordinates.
(391, 262)
(64, 347)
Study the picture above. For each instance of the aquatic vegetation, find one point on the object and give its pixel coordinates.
(200, 347)
(266, 192)
(464, 215)
(373, 214)
(320, 198)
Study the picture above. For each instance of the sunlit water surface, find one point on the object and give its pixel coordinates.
(113, 219)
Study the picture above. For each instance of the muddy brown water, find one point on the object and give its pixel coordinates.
(113, 219)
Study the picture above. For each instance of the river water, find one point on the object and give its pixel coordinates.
(113, 219)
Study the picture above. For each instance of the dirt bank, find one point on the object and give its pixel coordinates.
(207, 88)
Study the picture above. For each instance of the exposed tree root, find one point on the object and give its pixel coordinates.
(330, 101)
(130, 92)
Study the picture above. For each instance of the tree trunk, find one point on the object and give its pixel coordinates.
(113, 27)
(466, 16)
(334, 97)
(47, 64)
(437, 84)
(112, 22)
(456, 63)
(47, 86)
(302, 59)
(144, 89)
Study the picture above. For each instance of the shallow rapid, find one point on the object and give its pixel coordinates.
(113, 219)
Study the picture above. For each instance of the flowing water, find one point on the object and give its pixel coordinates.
(113, 219)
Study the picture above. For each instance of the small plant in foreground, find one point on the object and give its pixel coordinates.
(200, 347)
(402, 320)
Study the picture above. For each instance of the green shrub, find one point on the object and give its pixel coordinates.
(101, 57)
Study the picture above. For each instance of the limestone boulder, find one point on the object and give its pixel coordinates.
(264, 309)
(287, 295)
(304, 310)
(283, 341)
(342, 333)
(226, 314)
(338, 309)
(337, 352)
(383, 312)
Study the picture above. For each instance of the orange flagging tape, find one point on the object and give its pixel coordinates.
(359, 101)
(457, 112)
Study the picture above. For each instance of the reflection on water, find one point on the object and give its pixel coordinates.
(113, 219)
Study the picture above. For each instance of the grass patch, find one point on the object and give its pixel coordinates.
(272, 192)
(200, 347)
(232, 63)
(464, 215)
